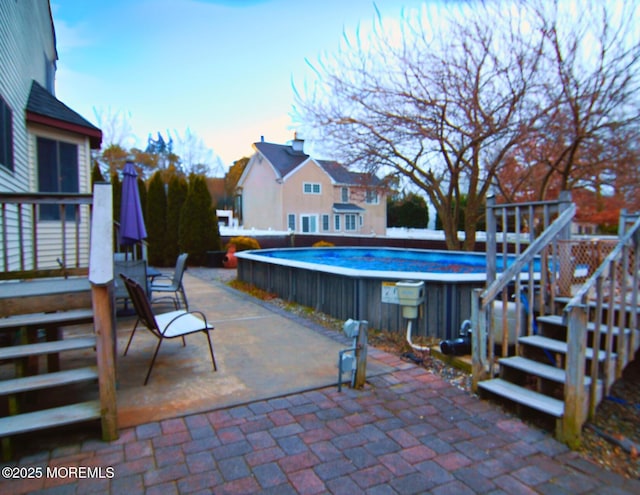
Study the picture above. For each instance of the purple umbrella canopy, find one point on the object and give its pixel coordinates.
(132, 227)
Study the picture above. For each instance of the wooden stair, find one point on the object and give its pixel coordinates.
(535, 377)
(22, 389)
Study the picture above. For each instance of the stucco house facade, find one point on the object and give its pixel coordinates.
(283, 188)
(45, 146)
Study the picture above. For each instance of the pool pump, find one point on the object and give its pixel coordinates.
(460, 346)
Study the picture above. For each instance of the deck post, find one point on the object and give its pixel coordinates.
(361, 354)
(478, 340)
(101, 278)
(574, 390)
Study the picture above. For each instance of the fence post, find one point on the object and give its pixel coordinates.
(101, 278)
(574, 391)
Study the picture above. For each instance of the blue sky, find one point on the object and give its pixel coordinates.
(222, 69)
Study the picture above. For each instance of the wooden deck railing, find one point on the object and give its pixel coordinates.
(31, 247)
(610, 298)
(78, 244)
(598, 300)
(527, 283)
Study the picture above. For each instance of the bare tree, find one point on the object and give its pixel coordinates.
(438, 107)
(449, 102)
(592, 59)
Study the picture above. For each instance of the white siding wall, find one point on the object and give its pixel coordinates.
(26, 46)
(27, 50)
(50, 239)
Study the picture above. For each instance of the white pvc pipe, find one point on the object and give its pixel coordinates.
(414, 346)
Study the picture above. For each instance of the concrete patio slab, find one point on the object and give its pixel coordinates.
(260, 352)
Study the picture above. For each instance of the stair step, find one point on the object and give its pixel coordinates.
(591, 303)
(526, 397)
(591, 326)
(71, 317)
(47, 380)
(536, 368)
(49, 418)
(19, 351)
(558, 346)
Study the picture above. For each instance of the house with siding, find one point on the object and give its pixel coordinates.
(283, 188)
(45, 146)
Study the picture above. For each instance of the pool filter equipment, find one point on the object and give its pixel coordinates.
(410, 297)
(460, 346)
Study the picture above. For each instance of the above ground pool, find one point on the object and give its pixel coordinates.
(359, 283)
(427, 264)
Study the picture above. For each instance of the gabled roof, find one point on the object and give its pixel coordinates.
(341, 175)
(44, 108)
(283, 158)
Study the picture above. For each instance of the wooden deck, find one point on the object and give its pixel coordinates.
(45, 295)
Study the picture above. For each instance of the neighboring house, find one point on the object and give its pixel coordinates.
(282, 188)
(44, 145)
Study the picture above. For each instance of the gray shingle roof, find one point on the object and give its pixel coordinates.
(346, 207)
(285, 159)
(281, 156)
(43, 103)
(343, 176)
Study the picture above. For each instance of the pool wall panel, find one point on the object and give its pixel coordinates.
(446, 306)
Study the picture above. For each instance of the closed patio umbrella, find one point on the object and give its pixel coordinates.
(132, 228)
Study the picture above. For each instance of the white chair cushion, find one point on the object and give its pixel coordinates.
(184, 324)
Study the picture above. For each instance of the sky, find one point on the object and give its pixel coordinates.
(222, 70)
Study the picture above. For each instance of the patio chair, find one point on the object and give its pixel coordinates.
(165, 325)
(135, 269)
(174, 284)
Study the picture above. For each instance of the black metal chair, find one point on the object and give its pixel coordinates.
(165, 325)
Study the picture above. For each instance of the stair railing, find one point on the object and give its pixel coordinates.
(530, 277)
(608, 299)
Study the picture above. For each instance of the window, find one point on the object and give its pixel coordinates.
(291, 221)
(336, 223)
(311, 188)
(58, 173)
(6, 135)
(372, 197)
(309, 223)
(345, 194)
(325, 223)
(350, 222)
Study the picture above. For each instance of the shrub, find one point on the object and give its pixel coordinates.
(198, 222)
(243, 243)
(323, 244)
(156, 220)
(176, 196)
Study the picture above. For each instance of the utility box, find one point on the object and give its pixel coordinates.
(410, 297)
(350, 328)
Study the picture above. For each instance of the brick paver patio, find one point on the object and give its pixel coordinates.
(407, 432)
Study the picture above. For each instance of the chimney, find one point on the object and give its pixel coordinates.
(297, 144)
(262, 139)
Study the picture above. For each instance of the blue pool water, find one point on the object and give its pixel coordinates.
(385, 259)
